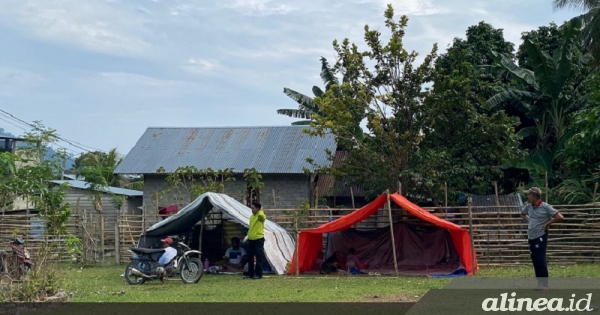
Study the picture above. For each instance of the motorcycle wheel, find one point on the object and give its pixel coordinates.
(193, 272)
(130, 277)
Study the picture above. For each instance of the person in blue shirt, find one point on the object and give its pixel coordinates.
(235, 255)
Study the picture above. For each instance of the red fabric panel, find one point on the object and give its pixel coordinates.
(460, 236)
(310, 241)
(351, 219)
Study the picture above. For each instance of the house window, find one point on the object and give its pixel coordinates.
(252, 195)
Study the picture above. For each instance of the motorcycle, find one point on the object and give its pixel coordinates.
(17, 264)
(145, 266)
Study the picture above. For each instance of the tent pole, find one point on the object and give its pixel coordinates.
(200, 237)
(297, 242)
(392, 232)
(470, 201)
(496, 191)
(445, 200)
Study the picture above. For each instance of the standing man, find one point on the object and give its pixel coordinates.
(540, 216)
(256, 241)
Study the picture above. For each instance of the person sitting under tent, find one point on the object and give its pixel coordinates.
(235, 256)
(333, 264)
(352, 260)
(319, 261)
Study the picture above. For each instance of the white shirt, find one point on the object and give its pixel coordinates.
(169, 254)
(235, 256)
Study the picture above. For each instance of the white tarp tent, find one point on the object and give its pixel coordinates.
(279, 244)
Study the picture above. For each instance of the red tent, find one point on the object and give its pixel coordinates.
(310, 241)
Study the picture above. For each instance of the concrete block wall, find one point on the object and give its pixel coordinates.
(291, 190)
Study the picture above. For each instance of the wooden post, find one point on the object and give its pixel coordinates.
(274, 200)
(202, 232)
(471, 232)
(118, 231)
(445, 200)
(546, 187)
(496, 192)
(399, 188)
(389, 206)
(352, 196)
(488, 248)
(594, 195)
(296, 217)
(117, 243)
(156, 218)
(102, 238)
(144, 224)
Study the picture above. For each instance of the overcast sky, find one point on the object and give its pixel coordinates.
(102, 71)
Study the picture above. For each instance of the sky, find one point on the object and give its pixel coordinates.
(102, 71)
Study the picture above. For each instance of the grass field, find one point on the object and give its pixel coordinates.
(104, 284)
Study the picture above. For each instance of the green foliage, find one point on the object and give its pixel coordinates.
(549, 94)
(298, 216)
(591, 21)
(465, 139)
(253, 180)
(191, 182)
(388, 96)
(53, 209)
(306, 105)
(75, 247)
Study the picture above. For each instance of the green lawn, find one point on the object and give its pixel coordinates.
(104, 284)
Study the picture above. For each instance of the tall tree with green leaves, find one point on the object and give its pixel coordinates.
(549, 96)
(465, 139)
(387, 95)
(306, 105)
(591, 22)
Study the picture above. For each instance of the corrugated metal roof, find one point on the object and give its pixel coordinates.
(115, 190)
(514, 202)
(269, 150)
(328, 186)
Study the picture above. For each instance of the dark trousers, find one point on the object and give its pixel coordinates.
(537, 247)
(256, 249)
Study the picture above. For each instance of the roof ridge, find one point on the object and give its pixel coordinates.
(230, 127)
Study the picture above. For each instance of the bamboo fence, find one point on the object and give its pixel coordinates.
(498, 232)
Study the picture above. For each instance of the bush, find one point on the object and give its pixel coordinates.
(44, 280)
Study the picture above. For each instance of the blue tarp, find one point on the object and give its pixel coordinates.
(456, 273)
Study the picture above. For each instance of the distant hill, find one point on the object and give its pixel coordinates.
(70, 160)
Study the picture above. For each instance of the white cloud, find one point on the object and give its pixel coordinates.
(92, 25)
(259, 7)
(411, 7)
(201, 66)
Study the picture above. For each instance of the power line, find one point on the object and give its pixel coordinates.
(70, 142)
(9, 122)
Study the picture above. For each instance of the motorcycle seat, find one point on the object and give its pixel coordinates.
(139, 250)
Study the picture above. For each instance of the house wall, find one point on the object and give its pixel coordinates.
(290, 191)
(82, 201)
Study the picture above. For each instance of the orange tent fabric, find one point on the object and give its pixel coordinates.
(310, 241)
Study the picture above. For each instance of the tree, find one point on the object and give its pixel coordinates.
(98, 167)
(186, 184)
(388, 96)
(307, 107)
(591, 22)
(465, 139)
(549, 96)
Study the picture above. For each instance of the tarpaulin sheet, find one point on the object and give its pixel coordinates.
(279, 244)
(310, 241)
(416, 248)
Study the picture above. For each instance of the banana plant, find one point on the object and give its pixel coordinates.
(544, 95)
